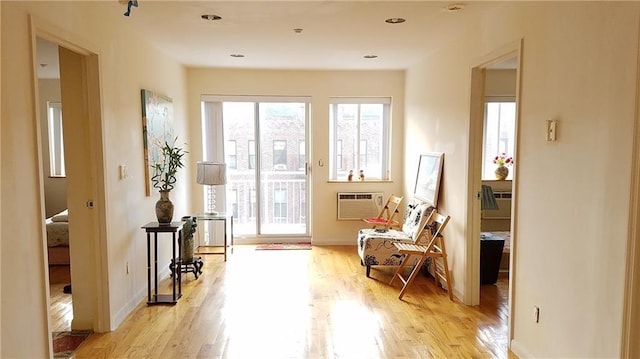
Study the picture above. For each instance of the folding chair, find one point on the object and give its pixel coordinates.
(387, 216)
(430, 243)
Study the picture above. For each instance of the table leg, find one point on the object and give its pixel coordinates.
(148, 267)
(179, 276)
(175, 262)
(231, 225)
(155, 265)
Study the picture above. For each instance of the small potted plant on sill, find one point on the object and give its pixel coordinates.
(164, 179)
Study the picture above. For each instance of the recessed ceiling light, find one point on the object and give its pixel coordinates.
(370, 56)
(395, 20)
(211, 17)
(453, 7)
(236, 55)
(297, 31)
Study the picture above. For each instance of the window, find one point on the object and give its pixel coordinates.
(339, 163)
(231, 152)
(279, 155)
(233, 200)
(363, 153)
(252, 154)
(280, 203)
(252, 203)
(499, 135)
(301, 155)
(359, 137)
(56, 140)
(303, 204)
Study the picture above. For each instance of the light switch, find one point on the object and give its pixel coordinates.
(123, 171)
(552, 126)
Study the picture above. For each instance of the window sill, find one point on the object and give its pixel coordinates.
(365, 181)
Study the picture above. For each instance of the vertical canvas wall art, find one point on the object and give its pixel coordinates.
(428, 178)
(157, 128)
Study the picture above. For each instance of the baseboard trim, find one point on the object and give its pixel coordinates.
(519, 350)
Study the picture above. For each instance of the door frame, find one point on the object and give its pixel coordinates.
(630, 347)
(474, 171)
(256, 100)
(95, 311)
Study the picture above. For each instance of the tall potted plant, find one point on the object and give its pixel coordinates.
(164, 179)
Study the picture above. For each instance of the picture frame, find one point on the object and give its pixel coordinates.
(157, 128)
(428, 177)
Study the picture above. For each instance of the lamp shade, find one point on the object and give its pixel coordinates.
(488, 200)
(211, 173)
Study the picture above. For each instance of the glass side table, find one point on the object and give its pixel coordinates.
(228, 234)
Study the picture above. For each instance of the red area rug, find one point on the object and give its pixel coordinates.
(272, 246)
(65, 343)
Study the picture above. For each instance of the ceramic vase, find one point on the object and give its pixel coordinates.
(164, 208)
(501, 173)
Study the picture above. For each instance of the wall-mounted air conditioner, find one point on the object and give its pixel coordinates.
(358, 205)
(503, 199)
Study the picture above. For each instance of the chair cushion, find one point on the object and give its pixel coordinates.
(377, 247)
(414, 219)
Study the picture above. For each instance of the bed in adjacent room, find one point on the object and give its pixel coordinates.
(58, 238)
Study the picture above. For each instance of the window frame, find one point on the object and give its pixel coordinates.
(55, 132)
(488, 156)
(336, 145)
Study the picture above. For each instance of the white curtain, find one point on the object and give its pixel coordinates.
(213, 150)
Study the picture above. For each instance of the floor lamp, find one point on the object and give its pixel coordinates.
(211, 174)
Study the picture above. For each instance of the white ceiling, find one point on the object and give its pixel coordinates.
(335, 34)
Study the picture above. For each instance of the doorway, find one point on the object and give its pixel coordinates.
(507, 59)
(266, 153)
(498, 151)
(54, 185)
(79, 100)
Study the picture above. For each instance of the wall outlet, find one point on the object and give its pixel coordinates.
(536, 314)
(552, 126)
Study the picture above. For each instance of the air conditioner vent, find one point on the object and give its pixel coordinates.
(358, 205)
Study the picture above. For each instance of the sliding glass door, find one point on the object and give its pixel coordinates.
(265, 149)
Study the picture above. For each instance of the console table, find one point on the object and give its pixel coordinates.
(173, 228)
(228, 220)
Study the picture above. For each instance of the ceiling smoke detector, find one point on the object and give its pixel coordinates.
(237, 55)
(395, 20)
(453, 7)
(211, 17)
(370, 56)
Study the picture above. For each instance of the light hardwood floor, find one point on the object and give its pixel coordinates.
(61, 309)
(306, 304)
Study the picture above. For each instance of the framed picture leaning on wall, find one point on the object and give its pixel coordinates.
(428, 177)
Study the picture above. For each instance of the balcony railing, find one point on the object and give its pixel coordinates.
(283, 202)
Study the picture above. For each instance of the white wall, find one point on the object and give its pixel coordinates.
(127, 65)
(320, 85)
(579, 67)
